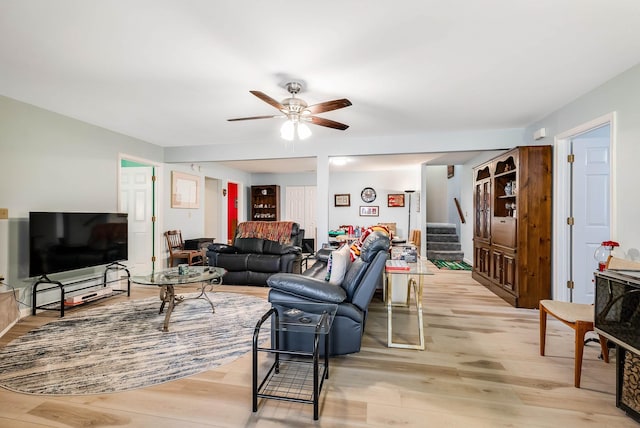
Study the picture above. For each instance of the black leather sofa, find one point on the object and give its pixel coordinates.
(352, 296)
(251, 260)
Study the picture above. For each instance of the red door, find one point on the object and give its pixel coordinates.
(232, 211)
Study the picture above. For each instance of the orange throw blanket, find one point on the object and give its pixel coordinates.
(279, 231)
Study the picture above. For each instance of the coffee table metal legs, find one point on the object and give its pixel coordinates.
(168, 295)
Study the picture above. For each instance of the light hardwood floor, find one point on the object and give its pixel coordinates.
(481, 368)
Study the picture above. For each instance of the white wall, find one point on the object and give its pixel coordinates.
(384, 182)
(619, 95)
(436, 191)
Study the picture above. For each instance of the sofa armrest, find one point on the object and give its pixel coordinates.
(308, 287)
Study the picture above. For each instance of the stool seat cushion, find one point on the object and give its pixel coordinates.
(570, 312)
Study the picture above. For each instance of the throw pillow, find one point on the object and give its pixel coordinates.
(356, 246)
(338, 265)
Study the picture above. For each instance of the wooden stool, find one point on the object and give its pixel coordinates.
(579, 317)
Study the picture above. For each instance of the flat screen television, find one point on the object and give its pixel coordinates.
(64, 241)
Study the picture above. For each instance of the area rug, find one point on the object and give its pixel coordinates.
(451, 265)
(122, 347)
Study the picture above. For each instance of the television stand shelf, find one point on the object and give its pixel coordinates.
(90, 297)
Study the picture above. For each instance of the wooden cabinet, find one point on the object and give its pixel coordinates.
(265, 203)
(512, 229)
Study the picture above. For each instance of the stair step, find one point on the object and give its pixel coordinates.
(443, 246)
(442, 237)
(441, 228)
(445, 255)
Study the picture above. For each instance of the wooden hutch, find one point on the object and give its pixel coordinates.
(512, 225)
(265, 203)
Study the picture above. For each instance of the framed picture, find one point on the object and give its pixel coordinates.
(395, 200)
(342, 199)
(185, 191)
(369, 211)
(450, 171)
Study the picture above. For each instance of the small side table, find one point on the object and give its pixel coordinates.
(413, 279)
(295, 375)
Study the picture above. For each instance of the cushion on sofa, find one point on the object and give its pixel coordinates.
(338, 265)
(263, 263)
(249, 245)
(273, 247)
(233, 262)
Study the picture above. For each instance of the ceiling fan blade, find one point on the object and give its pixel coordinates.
(267, 99)
(254, 117)
(326, 122)
(328, 106)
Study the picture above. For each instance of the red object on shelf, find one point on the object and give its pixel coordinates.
(395, 265)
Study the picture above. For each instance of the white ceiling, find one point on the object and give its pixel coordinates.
(171, 72)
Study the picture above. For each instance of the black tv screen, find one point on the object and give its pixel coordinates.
(64, 241)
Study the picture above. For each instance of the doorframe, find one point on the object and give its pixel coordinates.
(561, 211)
(158, 192)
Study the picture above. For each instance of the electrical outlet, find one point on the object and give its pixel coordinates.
(4, 213)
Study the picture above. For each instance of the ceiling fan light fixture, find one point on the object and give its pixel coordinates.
(303, 131)
(287, 130)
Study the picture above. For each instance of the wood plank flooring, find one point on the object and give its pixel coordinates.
(481, 368)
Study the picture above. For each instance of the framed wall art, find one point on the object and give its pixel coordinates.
(395, 200)
(342, 199)
(185, 190)
(450, 171)
(369, 211)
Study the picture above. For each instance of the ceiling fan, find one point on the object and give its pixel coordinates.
(297, 111)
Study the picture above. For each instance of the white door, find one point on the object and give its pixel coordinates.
(591, 207)
(212, 200)
(301, 208)
(295, 204)
(136, 199)
(310, 219)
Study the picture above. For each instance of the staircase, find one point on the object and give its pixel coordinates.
(443, 242)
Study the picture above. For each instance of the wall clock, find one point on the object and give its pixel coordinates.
(368, 194)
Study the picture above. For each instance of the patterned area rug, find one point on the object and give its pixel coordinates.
(122, 347)
(449, 265)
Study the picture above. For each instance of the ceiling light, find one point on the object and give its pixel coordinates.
(287, 130)
(340, 161)
(303, 131)
(290, 129)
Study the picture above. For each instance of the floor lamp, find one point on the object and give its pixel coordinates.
(409, 192)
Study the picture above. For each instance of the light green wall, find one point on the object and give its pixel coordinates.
(50, 162)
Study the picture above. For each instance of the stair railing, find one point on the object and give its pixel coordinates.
(462, 220)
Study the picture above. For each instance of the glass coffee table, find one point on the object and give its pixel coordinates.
(296, 372)
(168, 279)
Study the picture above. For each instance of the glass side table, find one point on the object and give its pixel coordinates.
(413, 279)
(295, 372)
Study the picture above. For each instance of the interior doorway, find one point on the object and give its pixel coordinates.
(232, 210)
(137, 197)
(212, 210)
(583, 197)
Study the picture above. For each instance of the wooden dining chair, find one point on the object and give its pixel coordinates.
(175, 244)
(578, 316)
